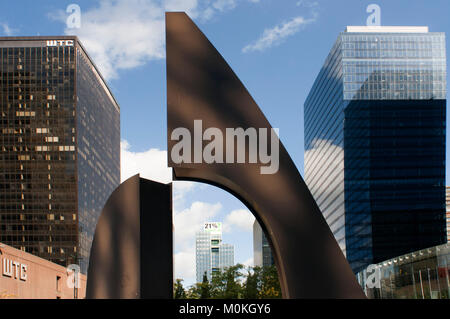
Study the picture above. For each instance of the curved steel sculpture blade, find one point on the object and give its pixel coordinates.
(201, 86)
(131, 254)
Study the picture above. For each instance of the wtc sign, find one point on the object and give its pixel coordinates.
(14, 269)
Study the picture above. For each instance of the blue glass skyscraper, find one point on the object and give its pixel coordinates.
(375, 141)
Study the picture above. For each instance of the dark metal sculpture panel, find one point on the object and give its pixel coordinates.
(131, 255)
(201, 86)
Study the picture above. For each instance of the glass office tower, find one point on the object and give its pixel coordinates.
(262, 253)
(60, 147)
(447, 204)
(375, 141)
(211, 254)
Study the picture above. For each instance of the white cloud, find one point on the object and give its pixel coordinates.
(188, 6)
(223, 5)
(150, 164)
(248, 262)
(276, 35)
(307, 4)
(122, 34)
(7, 30)
(190, 220)
(185, 265)
(180, 189)
(242, 219)
(125, 34)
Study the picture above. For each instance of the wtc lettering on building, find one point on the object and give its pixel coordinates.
(60, 43)
(14, 269)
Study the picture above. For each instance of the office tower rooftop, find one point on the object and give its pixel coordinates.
(375, 141)
(60, 147)
(386, 29)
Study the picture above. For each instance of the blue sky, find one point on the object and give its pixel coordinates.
(276, 48)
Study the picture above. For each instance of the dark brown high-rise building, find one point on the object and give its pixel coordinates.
(60, 147)
(447, 211)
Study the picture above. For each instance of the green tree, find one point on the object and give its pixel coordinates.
(205, 288)
(233, 275)
(218, 284)
(270, 285)
(194, 291)
(233, 283)
(252, 283)
(178, 290)
(226, 284)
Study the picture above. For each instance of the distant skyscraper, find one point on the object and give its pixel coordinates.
(262, 254)
(60, 147)
(211, 254)
(375, 141)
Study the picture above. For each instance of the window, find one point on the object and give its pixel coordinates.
(58, 284)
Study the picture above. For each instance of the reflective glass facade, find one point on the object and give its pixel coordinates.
(375, 143)
(211, 254)
(98, 146)
(60, 147)
(226, 255)
(262, 253)
(447, 203)
(423, 274)
(393, 66)
(202, 255)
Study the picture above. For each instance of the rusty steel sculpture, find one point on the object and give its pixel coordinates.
(131, 254)
(135, 231)
(201, 85)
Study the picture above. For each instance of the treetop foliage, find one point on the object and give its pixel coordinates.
(235, 282)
